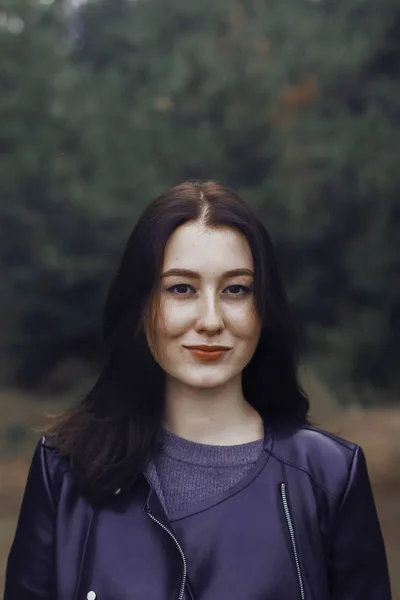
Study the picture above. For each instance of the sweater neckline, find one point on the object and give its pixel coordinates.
(209, 455)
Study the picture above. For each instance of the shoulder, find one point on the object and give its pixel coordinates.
(50, 465)
(326, 458)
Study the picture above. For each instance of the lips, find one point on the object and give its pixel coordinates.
(206, 348)
(208, 353)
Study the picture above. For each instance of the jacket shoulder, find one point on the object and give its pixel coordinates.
(53, 466)
(325, 457)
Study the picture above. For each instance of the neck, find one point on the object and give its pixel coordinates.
(219, 417)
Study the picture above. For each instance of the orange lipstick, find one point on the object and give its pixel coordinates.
(208, 352)
(206, 355)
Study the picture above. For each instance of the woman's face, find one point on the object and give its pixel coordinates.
(206, 306)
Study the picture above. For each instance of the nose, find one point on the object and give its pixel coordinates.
(210, 317)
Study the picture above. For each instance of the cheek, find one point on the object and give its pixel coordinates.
(174, 318)
(243, 321)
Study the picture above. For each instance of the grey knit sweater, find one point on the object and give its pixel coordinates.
(185, 473)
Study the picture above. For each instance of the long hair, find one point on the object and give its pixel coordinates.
(111, 433)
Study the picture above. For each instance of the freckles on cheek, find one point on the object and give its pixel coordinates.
(244, 320)
(175, 319)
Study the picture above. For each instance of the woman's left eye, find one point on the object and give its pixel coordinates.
(243, 289)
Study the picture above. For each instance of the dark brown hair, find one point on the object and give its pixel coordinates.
(111, 433)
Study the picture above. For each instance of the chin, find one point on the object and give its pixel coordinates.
(206, 381)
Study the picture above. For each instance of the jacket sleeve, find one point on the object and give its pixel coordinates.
(30, 572)
(358, 567)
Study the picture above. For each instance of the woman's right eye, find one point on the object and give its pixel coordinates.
(177, 289)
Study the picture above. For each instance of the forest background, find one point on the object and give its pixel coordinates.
(295, 104)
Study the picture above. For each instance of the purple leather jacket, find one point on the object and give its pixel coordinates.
(305, 529)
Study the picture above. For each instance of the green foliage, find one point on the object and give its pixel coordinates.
(293, 103)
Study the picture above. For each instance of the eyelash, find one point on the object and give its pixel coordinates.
(246, 290)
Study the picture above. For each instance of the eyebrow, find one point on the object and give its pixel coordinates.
(195, 275)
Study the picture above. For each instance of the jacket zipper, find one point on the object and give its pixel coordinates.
(184, 575)
(293, 540)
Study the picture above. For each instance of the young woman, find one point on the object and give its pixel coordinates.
(191, 470)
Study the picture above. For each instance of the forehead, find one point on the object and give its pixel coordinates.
(194, 246)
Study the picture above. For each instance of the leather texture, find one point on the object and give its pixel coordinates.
(302, 526)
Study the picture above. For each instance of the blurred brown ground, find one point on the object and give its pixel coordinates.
(376, 431)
